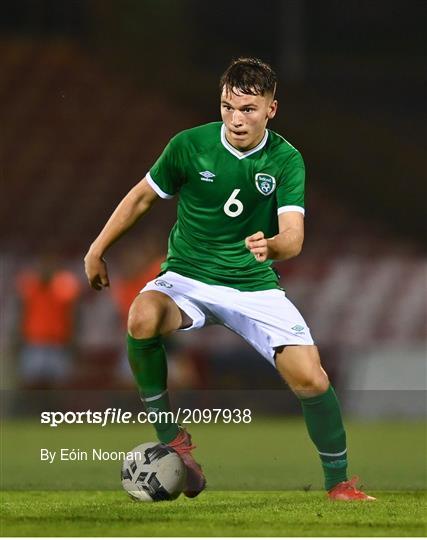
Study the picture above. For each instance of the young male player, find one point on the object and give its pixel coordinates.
(241, 207)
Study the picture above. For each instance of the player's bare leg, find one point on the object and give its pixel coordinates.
(300, 367)
(153, 313)
(151, 316)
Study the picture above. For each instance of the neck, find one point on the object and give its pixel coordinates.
(245, 148)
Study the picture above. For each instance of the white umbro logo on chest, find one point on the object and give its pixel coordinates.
(207, 176)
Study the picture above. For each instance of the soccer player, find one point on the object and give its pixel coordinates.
(241, 207)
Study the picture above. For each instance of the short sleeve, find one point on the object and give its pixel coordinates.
(166, 176)
(290, 190)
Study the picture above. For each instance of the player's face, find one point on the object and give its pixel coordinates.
(245, 117)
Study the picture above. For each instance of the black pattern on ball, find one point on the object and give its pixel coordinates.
(156, 452)
(126, 474)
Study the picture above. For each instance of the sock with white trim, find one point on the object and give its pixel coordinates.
(147, 358)
(324, 423)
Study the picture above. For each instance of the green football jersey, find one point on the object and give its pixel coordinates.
(224, 196)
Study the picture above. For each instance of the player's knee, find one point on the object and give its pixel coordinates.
(311, 384)
(145, 319)
(320, 384)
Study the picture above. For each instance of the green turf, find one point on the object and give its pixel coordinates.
(257, 477)
(268, 454)
(211, 514)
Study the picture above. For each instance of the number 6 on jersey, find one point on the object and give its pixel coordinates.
(233, 202)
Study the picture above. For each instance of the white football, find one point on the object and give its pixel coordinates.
(153, 472)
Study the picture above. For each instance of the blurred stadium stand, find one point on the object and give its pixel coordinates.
(74, 141)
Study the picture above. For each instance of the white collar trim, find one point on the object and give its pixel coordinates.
(237, 153)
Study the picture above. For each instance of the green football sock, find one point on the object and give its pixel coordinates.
(147, 358)
(323, 419)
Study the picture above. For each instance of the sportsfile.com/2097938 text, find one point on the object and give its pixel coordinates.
(118, 416)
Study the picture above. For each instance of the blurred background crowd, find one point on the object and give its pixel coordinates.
(92, 90)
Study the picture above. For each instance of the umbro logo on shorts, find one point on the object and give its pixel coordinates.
(298, 329)
(163, 283)
(206, 176)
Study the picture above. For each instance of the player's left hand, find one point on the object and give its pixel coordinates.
(257, 245)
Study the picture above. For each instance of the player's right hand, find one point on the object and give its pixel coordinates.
(96, 271)
(257, 245)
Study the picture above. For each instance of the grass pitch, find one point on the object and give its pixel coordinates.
(264, 479)
(272, 513)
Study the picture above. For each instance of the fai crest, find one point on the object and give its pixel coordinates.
(265, 183)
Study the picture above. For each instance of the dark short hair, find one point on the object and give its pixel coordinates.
(250, 76)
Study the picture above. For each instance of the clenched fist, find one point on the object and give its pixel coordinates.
(257, 245)
(96, 271)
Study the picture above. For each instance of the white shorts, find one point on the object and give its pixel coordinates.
(265, 319)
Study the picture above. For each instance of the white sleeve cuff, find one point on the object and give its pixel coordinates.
(156, 188)
(290, 208)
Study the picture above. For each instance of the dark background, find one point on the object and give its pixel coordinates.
(352, 87)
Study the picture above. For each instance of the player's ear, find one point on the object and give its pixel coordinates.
(272, 109)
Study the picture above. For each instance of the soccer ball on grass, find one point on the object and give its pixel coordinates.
(153, 472)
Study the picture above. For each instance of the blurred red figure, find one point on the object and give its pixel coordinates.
(48, 298)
